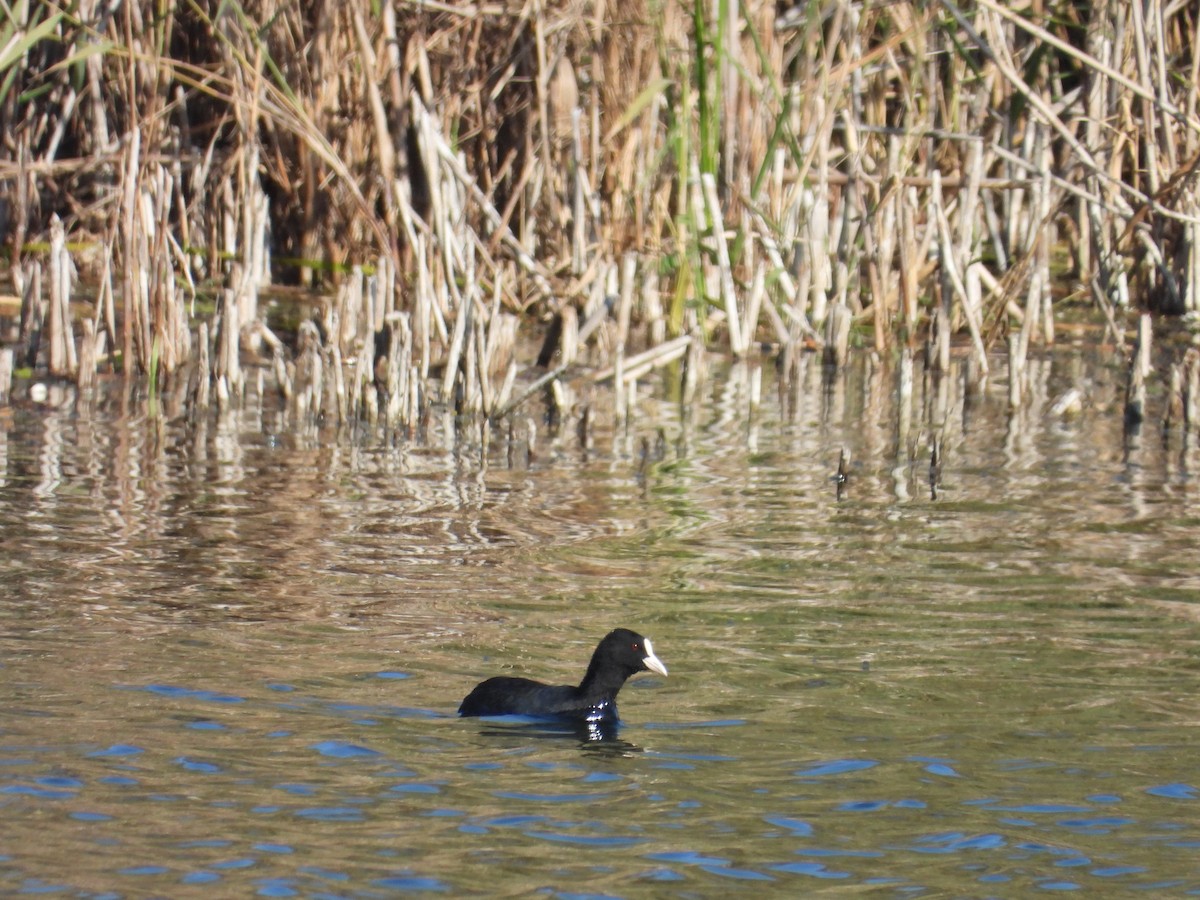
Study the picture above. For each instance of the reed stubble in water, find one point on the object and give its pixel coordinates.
(736, 177)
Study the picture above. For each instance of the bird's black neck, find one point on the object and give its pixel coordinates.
(602, 683)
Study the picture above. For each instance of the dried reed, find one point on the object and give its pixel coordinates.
(838, 175)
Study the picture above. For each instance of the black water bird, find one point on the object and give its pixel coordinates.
(621, 654)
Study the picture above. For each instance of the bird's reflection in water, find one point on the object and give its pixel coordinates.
(596, 738)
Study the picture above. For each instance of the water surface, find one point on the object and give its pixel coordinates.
(232, 654)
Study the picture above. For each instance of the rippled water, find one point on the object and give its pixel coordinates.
(231, 657)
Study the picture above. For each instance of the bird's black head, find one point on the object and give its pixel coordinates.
(629, 651)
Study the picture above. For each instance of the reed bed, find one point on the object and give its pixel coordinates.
(626, 186)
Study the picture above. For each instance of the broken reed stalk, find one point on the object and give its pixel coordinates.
(952, 265)
(62, 271)
(712, 205)
(1016, 372)
(1191, 389)
(6, 372)
(1140, 368)
(638, 365)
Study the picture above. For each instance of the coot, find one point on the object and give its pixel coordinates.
(622, 653)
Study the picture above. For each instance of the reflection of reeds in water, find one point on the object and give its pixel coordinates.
(652, 179)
